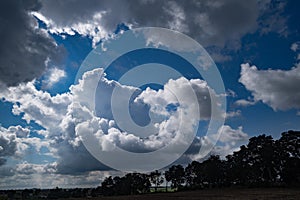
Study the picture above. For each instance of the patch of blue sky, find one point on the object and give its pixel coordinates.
(7, 118)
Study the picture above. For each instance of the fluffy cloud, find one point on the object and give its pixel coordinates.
(68, 117)
(229, 135)
(37, 105)
(53, 76)
(12, 142)
(8, 145)
(50, 112)
(172, 110)
(211, 23)
(19, 131)
(277, 88)
(229, 140)
(25, 49)
(29, 168)
(175, 91)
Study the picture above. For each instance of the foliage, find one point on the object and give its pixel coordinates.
(132, 183)
(156, 179)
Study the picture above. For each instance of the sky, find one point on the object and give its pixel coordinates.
(62, 98)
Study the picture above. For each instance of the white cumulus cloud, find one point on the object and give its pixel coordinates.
(67, 117)
(53, 76)
(277, 88)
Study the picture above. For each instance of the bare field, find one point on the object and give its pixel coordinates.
(220, 194)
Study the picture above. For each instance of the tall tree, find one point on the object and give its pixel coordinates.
(289, 147)
(213, 171)
(139, 183)
(167, 178)
(255, 163)
(193, 174)
(176, 174)
(108, 186)
(156, 179)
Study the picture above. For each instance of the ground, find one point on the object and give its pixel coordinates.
(220, 194)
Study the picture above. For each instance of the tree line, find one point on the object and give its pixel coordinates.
(263, 162)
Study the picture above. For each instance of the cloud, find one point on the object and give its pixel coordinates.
(50, 112)
(29, 175)
(244, 102)
(156, 38)
(272, 17)
(173, 112)
(36, 105)
(295, 46)
(5, 172)
(84, 117)
(19, 131)
(8, 145)
(229, 135)
(53, 76)
(26, 50)
(211, 23)
(72, 115)
(218, 57)
(277, 88)
(30, 168)
(206, 98)
(229, 140)
(67, 117)
(231, 93)
(12, 143)
(15, 143)
(233, 114)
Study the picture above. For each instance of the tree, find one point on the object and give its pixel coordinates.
(212, 171)
(238, 167)
(262, 159)
(255, 164)
(138, 183)
(121, 187)
(176, 175)
(167, 178)
(108, 186)
(156, 179)
(131, 183)
(193, 175)
(289, 148)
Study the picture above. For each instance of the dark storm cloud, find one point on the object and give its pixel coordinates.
(219, 23)
(76, 160)
(24, 47)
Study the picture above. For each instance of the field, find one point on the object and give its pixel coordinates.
(220, 194)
